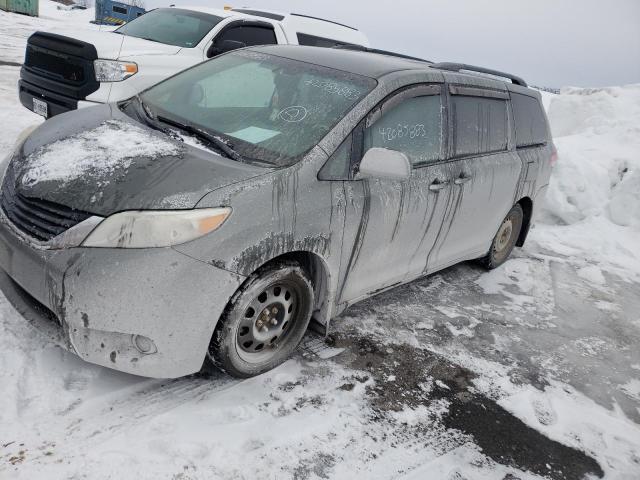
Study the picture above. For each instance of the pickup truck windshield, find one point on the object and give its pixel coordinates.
(173, 26)
(267, 108)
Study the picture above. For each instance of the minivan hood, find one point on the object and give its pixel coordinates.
(112, 45)
(100, 161)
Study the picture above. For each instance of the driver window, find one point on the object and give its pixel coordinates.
(414, 127)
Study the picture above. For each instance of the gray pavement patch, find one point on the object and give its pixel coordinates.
(406, 376)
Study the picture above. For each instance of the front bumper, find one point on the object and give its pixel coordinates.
(57, 103)
(100, 299)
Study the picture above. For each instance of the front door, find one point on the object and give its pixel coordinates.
(391, 225)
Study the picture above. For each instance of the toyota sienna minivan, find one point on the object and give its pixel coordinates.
(212, 216)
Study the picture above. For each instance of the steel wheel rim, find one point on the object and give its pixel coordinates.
(267, 322)
(503, 238)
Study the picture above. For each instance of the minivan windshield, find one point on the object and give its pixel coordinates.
(267, 108)
(173, 26)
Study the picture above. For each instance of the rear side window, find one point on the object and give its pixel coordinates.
(250, 35)
(313, 41)
(531, 126)
(414, 127)
(480, 125)
(120, 10)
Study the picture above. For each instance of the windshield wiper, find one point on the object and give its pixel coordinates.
(207, 137)
(150, 118)
(147, 115)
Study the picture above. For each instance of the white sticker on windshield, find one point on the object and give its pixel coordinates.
(254, 134)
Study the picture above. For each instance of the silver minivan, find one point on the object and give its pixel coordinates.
(213, 216)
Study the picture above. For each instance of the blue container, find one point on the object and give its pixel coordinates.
(109, 12)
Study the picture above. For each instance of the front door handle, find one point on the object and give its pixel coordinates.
(437, 185)
(461, 180)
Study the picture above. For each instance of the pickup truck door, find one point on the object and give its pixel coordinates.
(391, 225)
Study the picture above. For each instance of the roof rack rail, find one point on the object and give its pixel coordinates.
(456, 67)
(361, 48)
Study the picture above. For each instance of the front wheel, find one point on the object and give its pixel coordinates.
(264, 321)
(505, 239)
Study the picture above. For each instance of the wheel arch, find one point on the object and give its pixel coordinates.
(320, 274)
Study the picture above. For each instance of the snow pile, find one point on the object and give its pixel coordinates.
(597, 132)
(592, 208)
(98, 152)
(624, 207)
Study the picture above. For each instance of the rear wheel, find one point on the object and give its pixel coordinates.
(505, 239)
(264, 322)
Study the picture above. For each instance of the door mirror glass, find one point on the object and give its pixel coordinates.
(384, 163)
(219, 47)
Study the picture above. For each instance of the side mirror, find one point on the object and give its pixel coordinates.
(224, 46)
(384, 163)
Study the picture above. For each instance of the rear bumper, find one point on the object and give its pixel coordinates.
(96, 301)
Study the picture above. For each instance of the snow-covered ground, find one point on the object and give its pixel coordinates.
(529, 371)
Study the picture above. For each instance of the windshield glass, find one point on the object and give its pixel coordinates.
(268, 108)
(173, 26)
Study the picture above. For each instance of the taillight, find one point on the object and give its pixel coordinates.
(554, 156)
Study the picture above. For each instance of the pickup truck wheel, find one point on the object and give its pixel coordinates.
(264, 322)
(505, 239)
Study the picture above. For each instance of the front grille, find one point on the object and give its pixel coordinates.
(41, 219)
(56, 65)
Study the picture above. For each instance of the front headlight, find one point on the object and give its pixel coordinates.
(22, 137)
(113, 71)
(24, 134)
(162, 228)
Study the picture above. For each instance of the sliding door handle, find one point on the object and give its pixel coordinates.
(461, 180)
(437, 185)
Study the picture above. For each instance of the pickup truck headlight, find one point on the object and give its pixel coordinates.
(162, 228)
(113, 71)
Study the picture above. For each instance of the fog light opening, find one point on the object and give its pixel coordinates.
(144, 345)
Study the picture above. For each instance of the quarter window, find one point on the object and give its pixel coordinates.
(413, 127)
(531, 127)
(313, 41)
(479, 125)
(337, 167)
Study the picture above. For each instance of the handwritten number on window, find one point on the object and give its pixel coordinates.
(389, 134)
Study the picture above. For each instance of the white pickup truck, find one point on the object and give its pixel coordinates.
(65, 70)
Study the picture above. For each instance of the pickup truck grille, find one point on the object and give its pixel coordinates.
(59, 67)
(40, 219)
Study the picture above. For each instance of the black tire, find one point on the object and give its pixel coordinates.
(264, 321)
(505, 239)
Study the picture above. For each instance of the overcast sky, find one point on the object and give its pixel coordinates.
(548, 42)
